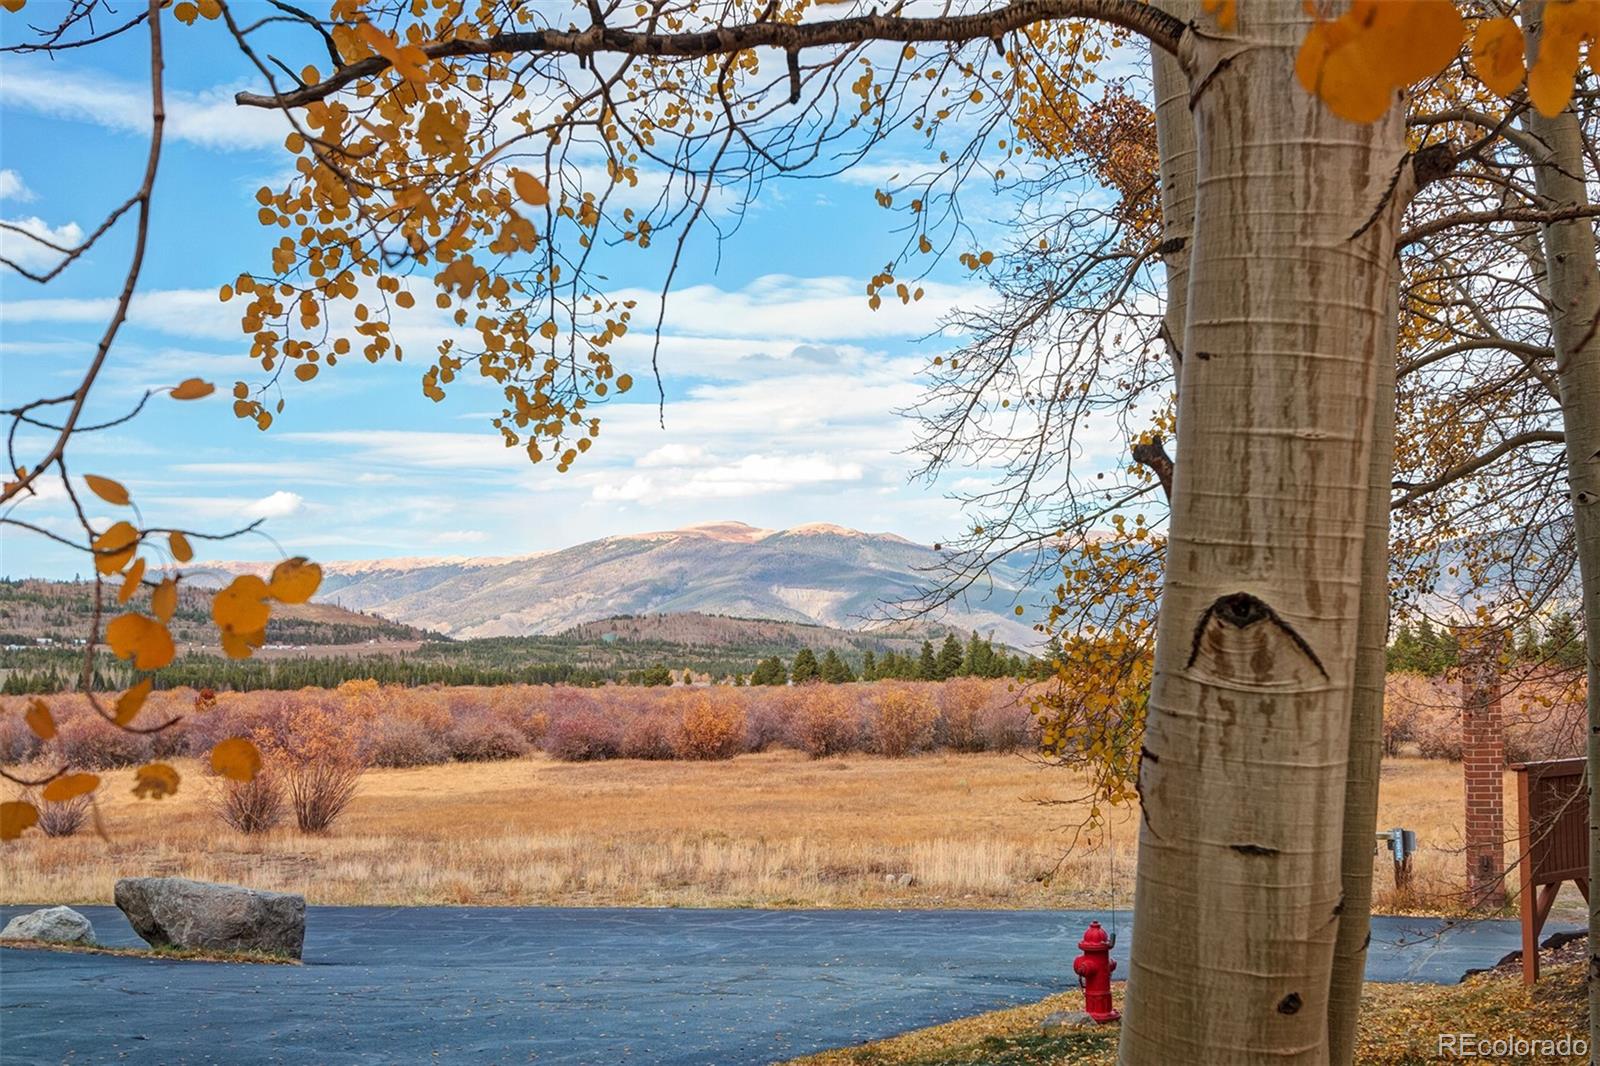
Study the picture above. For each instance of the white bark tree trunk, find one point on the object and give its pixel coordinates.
(1366, 729)
(1573, 286)
(1176, 149)
(1243, 781)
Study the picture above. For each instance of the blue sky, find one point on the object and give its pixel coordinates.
(782, 385)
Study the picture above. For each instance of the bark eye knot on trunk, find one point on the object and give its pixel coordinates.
(1290, 1004)
(1242, 610)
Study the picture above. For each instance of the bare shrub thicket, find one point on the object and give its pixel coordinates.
(254, 806)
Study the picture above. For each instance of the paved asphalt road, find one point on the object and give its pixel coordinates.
(571, 986)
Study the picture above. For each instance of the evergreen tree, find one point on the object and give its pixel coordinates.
(869, 666)
(834, 670)
(658, 674)
(688, 677)
(949, 662)
(770, 671)
(927, 665)
(805, 667)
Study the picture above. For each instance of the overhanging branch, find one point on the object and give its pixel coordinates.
(1151, 22)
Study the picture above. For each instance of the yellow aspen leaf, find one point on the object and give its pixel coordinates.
(1567, 24)
(186, 13)
(143, 639)
(242, 645)
(530, 190)
(131, 702)
(624, 382)
(15, 816)
(1356, 63)
(179, 545)
(242, 606)
(12, 6)
(192, 389)
(305, 371)
(114, 547)
(68, 787)
(108, 490)
(130, 583)
(40, 720)
(164, 600)
(407, 60)
(155, 780)
(1497, 50)
(236, 759)
(294, 580)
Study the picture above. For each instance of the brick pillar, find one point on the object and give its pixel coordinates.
(1483, 756)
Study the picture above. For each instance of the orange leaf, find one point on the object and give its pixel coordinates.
(130, 583)
(236, 759)
(179, 544)
(529, 188)
(40, 720)
(242, 606)
(242, 645)
(129, 703)
(154, 781)
(69, 786)
(15, 816)
(114, 547)
(141, 638)
(406, 59)
(294, 580)
(108, 490)
(192, 389)
(1497, 51)
(164, 600)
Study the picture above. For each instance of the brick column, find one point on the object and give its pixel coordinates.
(1483, 756)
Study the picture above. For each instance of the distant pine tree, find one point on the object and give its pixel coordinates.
(948, 664)
(869, 666)
(927, 665)
(770, 672)
(805, 668)
(834, 670)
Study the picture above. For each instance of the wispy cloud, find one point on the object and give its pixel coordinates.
(13, 188)
(209, 118)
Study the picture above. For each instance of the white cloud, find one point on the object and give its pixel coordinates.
(672, 455)
(208, 118)
(29, 253)
(13, 188)
(280, 504)
(752, 475)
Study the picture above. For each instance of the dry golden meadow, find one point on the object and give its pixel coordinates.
(775, 828)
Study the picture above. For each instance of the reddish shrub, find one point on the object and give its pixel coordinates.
(902, 718)
(17, 742)
(89, 742)
(711, 724)
(648, 734)
(483, 737)
(403, 742)
(766, 724)
(320, 790)
(1005, 723)
(583, 735)
(822, 719)
(962, 703)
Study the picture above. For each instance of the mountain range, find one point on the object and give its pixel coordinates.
(819, 574)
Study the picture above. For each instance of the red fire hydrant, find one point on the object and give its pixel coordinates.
(1094, 968)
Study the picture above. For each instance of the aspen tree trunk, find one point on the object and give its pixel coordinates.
(1573, 287)
(1243, 778)
(1366, 728)
(1176, 150)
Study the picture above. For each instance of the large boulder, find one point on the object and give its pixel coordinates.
(58, 925)
(178, 912)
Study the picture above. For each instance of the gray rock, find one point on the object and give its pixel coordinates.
(1068, 1019)
(178, 912)
(58, 925)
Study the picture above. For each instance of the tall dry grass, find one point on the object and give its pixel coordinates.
(775, 828)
